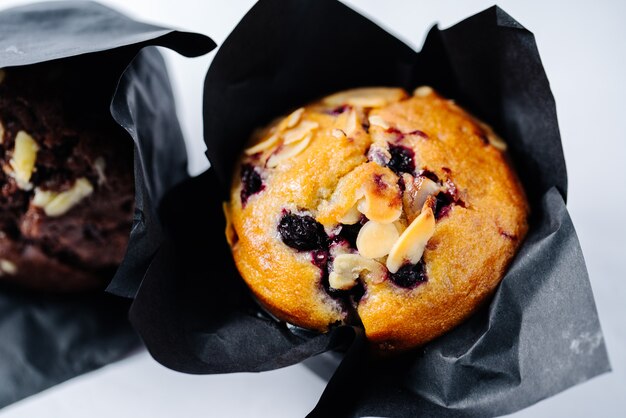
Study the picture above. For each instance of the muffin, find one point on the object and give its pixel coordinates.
(66, 180)
(396, 212)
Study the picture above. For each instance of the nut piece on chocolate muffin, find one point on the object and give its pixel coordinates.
(372, 206)
(66, 181)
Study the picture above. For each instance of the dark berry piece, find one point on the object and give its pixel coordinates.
(400, 135)
(507, 235)
(409, 275)
(302, 232)
(357, 292)
(443, 212)
(443, 205)
(446, 199)
(401, 159)
(482, 135)
(381, 185)
(396, 132)
(320, 259)
(338, 110)
(401, 184)
(349, 233)
(452, 190)
(429, 175)
(251, 182)
(419, 133)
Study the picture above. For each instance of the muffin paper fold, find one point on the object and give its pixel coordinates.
(47, 339)
(539, 334)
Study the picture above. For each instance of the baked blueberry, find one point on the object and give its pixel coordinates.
(409, 275)
(251, 182)
(302, 232)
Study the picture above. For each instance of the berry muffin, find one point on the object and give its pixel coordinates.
(375, 207)
(66, 181)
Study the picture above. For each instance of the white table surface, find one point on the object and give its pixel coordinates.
(583, 47)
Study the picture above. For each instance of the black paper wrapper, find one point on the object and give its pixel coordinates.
(539, 335)
(46, 339)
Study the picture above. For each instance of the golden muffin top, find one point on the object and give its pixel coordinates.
(395, 212)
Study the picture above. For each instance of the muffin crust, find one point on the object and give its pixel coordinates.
(396, 211)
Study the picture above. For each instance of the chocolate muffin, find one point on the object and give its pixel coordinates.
(375, 207)
(66, 179)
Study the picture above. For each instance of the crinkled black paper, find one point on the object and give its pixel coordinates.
(46, 339)
(538, 336)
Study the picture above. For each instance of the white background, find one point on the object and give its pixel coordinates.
(583, 47)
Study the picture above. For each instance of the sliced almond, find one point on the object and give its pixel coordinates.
(379, 209)
(1, 133)
(341, 206)
(264, 145)
(366, 97)
(495, 140)
(348, 268)
(299, 132)
(293, 118)
(351, 124)
(338, 133)
(423, 91)
(375, 239)
(400, 225)
(374, 191)
(425, 188)
(289, 151)
(416, 191)
(381, 201)
(23, 160)
(409, 248)
(381, 136)
(351, 217)
(376, 120)
(57, 204)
